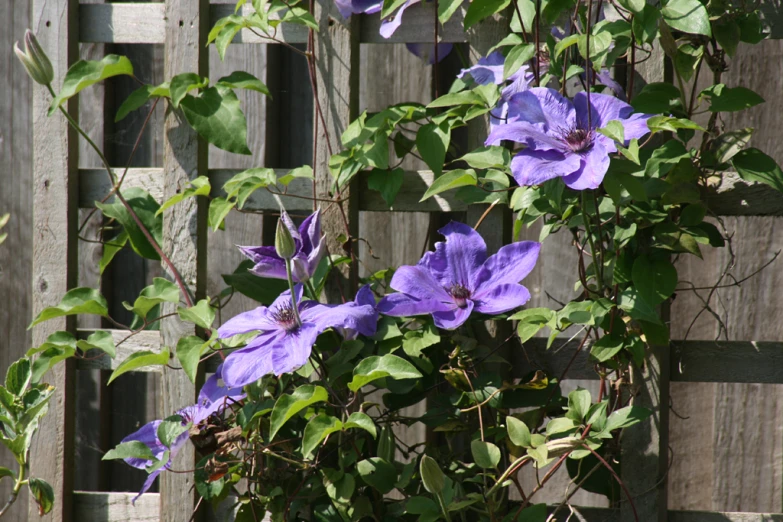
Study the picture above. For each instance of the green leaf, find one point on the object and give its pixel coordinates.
(730, 99)
(517, 57)
(535, 513)
(47, 359)
(614, 130)
(318, 429)
(451, 180)
(202, 314)
(198, 187)
(481, 9)
(18, 376)
(488, 157)
(630, 301)
(625, 417)
(215, 114)
(139, 360)
(161, 290)
(485, 454)
(139, 97)
(432, 141)
(260, 289)
(361, 420)
(446, 8)
(189, 351)
(375, 367)
(76, 301)
(688, 16)
(145, 207)
(377, 473)
(99, 340)
(518, 432)
(417, 340)
(421, 505)
(635, 6)
(289, 405)
(559, 425)
(599, 45)
(578, 404)
(244, 183)
(183, 83)
(431, 475)
(531, 320)
(218, 210)
(170, 429)
(43, 494)
(655, 279)
(387, 182)
(5, 472)
(111, 248)
(606, 347)
(754, 165)
(244, 80)
(305, 171)
(84, 73)
(130, 450)
(457, 98)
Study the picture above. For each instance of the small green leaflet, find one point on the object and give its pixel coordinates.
(76, 301)
(688, 16)
(84, 73)
(215, 114)
(451, 180)
(289, 405)
(139, 360)
(375, 367)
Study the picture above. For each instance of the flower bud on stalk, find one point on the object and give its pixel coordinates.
(285, 246)
(35, 60)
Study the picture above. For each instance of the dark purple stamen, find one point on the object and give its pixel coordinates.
(286, 318)
(460, 294)
(578, 139)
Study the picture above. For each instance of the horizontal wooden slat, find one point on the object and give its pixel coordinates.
(96, 506)
(736, 197)
(592, 514)
(146, 340)
(736, 361)
(94, 185)
(133, 23)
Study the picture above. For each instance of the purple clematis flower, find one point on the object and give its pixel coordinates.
(212, 399)
(349, 7)
(561, 139)
(309, 251)
(364, 297)
(487, 70)
(282, 345)
(426, 51)
(459, 278)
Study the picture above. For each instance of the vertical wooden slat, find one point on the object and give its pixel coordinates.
(16, 199)
(55, 210)
(184, 237)
(645, 447)
(337, 80)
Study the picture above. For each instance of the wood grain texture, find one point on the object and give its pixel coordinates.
(16, 154)
(55, 254)
(184, 233)
(91, 506)
(337, 80)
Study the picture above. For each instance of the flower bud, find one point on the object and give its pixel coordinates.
(35, 60)
(431, 475)
(284, 241)
(34, 50)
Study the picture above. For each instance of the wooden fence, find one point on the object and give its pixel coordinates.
(61, 188)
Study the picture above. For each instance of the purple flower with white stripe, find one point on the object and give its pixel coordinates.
(309, 251)
(562, 141)
(212, 400)
(283, 345)
(458, 278)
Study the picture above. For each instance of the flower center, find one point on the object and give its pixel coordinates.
(286, 318)
(578, 139)
(460, 294)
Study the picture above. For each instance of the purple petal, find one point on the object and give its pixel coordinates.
(257, 319)
(349, 7)
(502, 298)
(532, 135)
(213, 397)
(454, 261)
(487, 70)
(605, 108)
(147, 435)
(520, 82)
(310, 231)
(293, 349)
(591, 173)
(399, 305)
(418, 281)
(543, 105)
(250, 363)
(426, 51)
(453, 318)
(267, 262)
(605, 77)
(362, 318)
(365, 296)
(510, 265)
(533, 167)
(147, 484)
(390, 25)
(636, 126)
(315, 256)
(289, 224)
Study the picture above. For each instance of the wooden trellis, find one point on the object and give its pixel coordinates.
(61, 189)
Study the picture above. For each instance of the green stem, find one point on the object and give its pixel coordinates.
(311, 290)
(293, 293)
(511, 469)
(20, 482)
(443, 507)
(589, 234)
